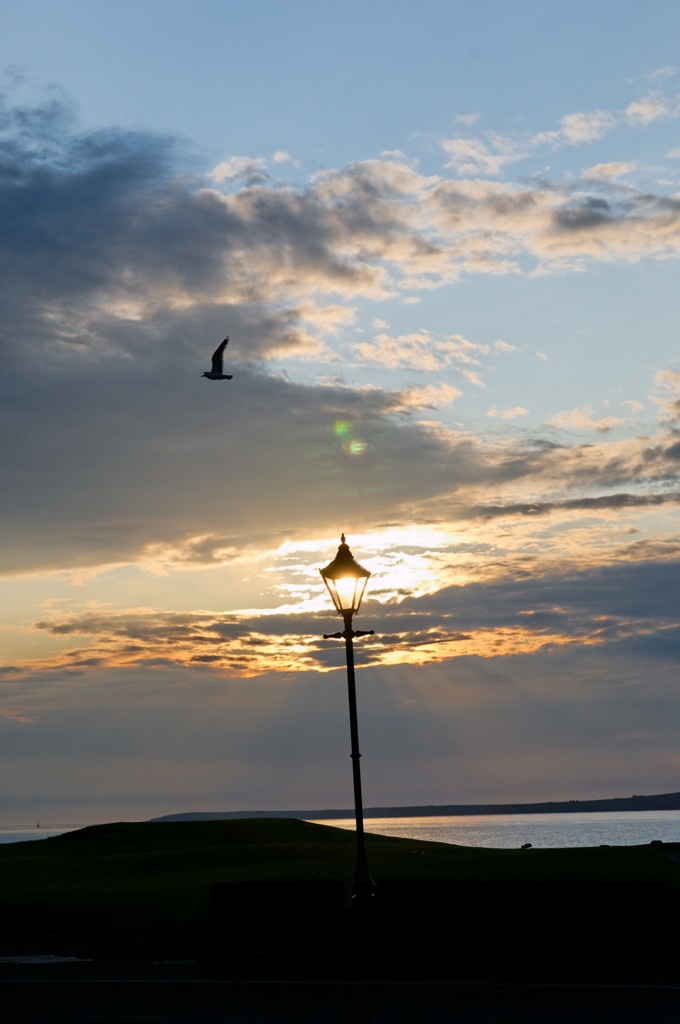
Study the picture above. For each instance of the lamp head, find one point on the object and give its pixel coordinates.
(346, 581)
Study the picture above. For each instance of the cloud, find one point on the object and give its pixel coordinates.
(667, 397)
(621, 605)
(116, 482)
(489, 153)
(247, 167)
(602, 502)
(474, 156)
(591, 720)
(584, 419)
(585, 127)
(507, 414)
(614, 169)
(149, 750)
(504, 228)
(328, 319)
(120, 273)
(140, 637)
(419, 351)
(647, 109)
(107, 218)
(430, 396)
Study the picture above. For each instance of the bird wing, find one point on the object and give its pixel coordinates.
(218, 356)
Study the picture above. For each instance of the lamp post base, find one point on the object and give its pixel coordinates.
(364, 886)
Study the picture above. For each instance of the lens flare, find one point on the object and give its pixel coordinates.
(344, 430)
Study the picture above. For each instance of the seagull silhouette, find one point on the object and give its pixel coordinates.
(217, 364)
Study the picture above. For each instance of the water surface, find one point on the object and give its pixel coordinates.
(22, 834)
(543, 831)
(495, 831)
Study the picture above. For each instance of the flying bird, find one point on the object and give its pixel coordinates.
(218, 363)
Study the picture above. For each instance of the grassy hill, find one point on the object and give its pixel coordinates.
(138, 889)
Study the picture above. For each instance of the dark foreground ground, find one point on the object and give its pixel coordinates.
(252, 921)
(190, 995)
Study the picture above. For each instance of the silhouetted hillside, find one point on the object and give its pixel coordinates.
(659, 802)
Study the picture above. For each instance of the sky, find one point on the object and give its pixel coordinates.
(444, 239)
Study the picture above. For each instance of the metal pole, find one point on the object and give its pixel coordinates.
(363, 883)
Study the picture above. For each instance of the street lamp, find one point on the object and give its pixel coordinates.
(346, 581)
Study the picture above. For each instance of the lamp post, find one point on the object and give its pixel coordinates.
(346, 581)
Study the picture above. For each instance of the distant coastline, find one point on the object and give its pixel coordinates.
(658, 802)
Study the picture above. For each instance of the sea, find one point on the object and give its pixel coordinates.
(23, 833)
(543, 831)
(494, 831)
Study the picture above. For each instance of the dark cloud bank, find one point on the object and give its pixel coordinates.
(118, 272)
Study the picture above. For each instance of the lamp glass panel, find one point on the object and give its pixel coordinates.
(346, 588)
(361, 586)
(333, 592)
